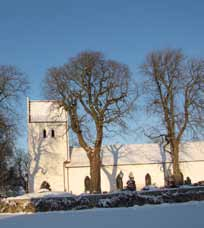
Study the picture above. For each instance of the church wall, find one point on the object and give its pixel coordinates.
(47, 153)
(139, 171)
(47, 156)
(108, 176)
(139, 159)
(195, 170)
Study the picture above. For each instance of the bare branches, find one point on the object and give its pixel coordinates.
(176, 86)
(96, 93)
(98, 87)
(12, 85)
(175, 91)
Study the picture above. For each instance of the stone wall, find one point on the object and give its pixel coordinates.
(118, 199)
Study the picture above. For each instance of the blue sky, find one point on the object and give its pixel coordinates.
(35, 35)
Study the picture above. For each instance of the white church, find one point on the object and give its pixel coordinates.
(65, 168)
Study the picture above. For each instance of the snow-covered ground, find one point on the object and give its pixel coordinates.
(42, 194)
(186, 215)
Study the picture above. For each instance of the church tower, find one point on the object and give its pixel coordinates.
(47, 144)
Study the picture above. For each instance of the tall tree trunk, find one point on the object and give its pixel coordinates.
(176, 166)
(95, 172)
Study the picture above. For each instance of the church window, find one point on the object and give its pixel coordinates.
(148, 179)
(44, 133)
(53, 133)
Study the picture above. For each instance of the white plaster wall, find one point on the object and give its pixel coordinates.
(108, 176)
(194, 170)
(139, 159)
(47, 154)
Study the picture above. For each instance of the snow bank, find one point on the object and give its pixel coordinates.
(186, 215)
(43, 194)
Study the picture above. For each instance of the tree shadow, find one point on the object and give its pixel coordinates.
(38, 147)
(166, 163)
(139, 154)
(111, 172)
(42, 145)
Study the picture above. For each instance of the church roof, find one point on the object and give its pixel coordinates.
(46, 111)
(138, 154)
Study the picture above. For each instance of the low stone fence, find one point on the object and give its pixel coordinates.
(117, 199)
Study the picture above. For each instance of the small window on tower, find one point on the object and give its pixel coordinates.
(53, 133)
(44, 133)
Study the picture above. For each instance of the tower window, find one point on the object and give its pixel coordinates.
(44, 133)
(53, 133)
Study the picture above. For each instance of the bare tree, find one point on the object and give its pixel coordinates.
(6, 153)
(96, 93)
(175, 91)
(21, 164)
(13, 84)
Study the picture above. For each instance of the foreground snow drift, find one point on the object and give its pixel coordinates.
(186, 215)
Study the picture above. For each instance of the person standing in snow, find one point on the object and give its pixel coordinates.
(131, 183)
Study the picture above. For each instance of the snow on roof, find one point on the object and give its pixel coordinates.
(138, 154)
(46, 111)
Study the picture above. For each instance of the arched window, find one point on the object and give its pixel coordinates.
(148, 179)
(52, 133)
(44, 133)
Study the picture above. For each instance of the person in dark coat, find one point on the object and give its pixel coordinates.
(131, 183)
